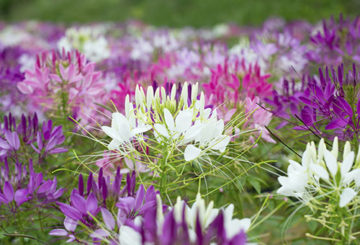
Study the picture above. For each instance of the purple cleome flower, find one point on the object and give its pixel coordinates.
(44, 140)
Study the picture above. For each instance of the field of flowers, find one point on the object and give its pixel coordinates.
(126, 133)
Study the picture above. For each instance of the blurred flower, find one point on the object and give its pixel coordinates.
(64, 83)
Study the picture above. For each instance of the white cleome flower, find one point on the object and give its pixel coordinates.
(341, 178)
(88, 40)
(183, 121)
(122, 130)
(207, 215)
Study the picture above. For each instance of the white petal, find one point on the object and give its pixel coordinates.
(114, 145)
(184, 94)
(245, 224)
(306, 157)
(320, 171)
(294, 184)
(357, 157)
(347, 163)
(191, 152)
(331, 162)
(321, 149)
(117, 119)
(194, 91)
(121, 126)
(220, 143)
(173, 92)
(161, 130)
(111, 132)
(347, 149)
(294, 167)
(352, 175)
(335, 148)
(183, 120)
(149, 96)
(141, 129)
(70, 224)
(192, 133)
(235, 226)
(129, 236)
(346, 196)
(169, 120)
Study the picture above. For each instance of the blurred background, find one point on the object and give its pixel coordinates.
(175, 13)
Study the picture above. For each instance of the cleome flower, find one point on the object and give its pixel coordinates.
(320, 174)
(122, 130)
(181, 224)
(176, 119)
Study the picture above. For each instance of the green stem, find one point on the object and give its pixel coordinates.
(163, 167)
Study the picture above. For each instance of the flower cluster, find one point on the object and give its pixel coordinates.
(139, 217)
(28, 138)
(65, 84)
(22, 184)
(154, 116)
(320, 179)
(327, 104)
(87, 40)
(194, 126)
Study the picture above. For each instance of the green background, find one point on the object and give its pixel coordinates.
(175, 13)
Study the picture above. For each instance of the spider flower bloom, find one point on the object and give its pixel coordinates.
(22, 184)
(14, 138)
(328, 186)
(10, 75)
(336, 42)
(181, 224)
(99, 198)
(259, 118)
(233, 86)
(321, 173)
(66, 82)
(87, 40)
(234, 81)
(155, 111)
(326, 105)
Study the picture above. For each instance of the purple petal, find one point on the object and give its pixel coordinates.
(81, 185)
(336, 123)
(44, 188)
(108, 218)
(8, 192)
(4, 144)
(78, 202)
(239, 238)
(13, 139)
(21, 196)
(139, 197)
(58, 232)
(99, 233)
(58, 193)
(69, 211)
(92, 204)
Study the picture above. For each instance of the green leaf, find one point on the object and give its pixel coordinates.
(255, 183)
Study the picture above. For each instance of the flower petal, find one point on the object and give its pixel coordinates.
(108, 218)
(347, 163)
(183, 120)
(191, 153)
(331, 162)
(346, 196)
(169, 120)
(58, 232)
